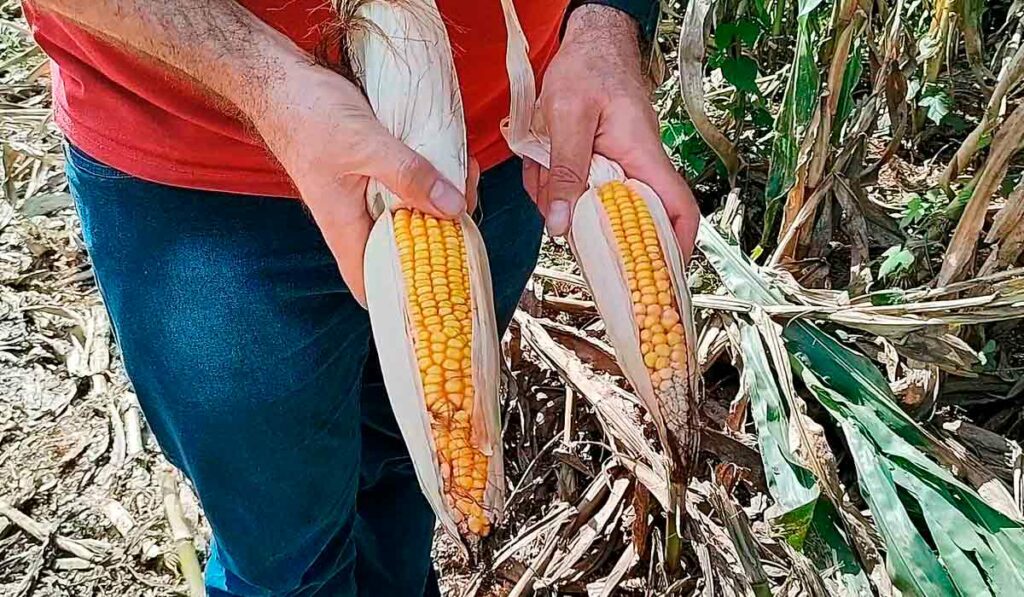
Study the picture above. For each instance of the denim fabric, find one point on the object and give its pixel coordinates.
(257, 374)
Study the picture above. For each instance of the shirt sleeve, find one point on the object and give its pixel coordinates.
(647, 13)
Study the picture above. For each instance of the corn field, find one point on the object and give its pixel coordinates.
(858, 289)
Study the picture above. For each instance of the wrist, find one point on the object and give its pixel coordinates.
(608, 33)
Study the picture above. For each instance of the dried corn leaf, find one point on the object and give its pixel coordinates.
(959, 257)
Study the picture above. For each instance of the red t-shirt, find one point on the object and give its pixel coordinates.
(134, 115)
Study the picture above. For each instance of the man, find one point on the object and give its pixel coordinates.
(192, 126)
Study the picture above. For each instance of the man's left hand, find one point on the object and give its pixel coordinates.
(595, 100)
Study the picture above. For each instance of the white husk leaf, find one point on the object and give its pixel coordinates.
(486, 414)
(403, 58)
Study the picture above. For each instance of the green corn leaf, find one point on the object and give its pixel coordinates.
(798, 102)
(912, 565)
(790, 484)
(830, 551)
(851, 76)
(805, 521)
(979, 546)
(970, 548)
(955, 538)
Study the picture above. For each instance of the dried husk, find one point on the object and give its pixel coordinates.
(402, 56)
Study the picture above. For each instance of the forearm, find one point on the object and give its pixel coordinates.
(218, 43)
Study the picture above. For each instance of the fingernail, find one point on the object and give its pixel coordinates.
(447, 198)
(558, 217)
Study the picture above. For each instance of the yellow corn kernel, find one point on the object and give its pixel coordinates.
(655, 307)
(434, 267)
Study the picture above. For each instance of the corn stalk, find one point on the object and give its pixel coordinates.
(692, 39)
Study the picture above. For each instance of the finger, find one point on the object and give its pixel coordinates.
(657, 171)
(409, 175)
(340, 213)
(531, 178)
(572, 126)
(472, 184)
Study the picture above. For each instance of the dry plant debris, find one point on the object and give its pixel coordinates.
(862, 372)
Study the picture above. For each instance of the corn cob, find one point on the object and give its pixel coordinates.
(432, 253)
(428, 284)
(660, 327)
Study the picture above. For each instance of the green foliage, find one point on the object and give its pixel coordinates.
(924, 212)
(791, 484)
(733, 39)
(743, 31)
(955, 208)
(915, 211)
(941, 537)
(927, 219)
(936, 102)
(770, 59)
(802, 92)
(741, 72)
(987, 355)
(897, 260)
(851, 79)
(887, 297)
(686, 147)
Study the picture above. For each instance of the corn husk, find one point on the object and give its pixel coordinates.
(594, 246)
(401, 53)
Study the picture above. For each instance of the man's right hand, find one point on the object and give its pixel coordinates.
(322, 130)
(315, 122)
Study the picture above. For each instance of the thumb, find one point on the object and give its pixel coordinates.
(412, 177)
(573, 129)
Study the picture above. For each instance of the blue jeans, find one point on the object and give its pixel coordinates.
(257, 374)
